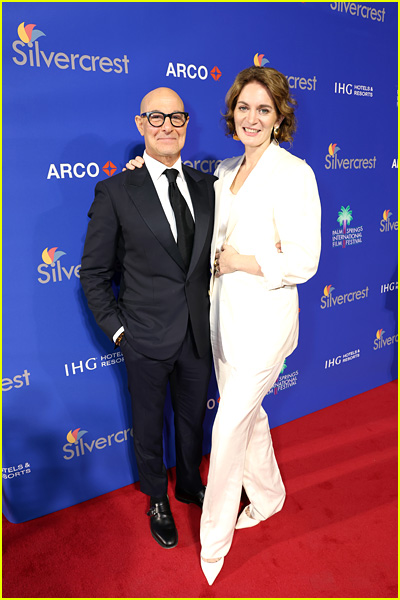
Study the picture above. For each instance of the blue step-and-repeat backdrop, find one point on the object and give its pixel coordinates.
(74, 74)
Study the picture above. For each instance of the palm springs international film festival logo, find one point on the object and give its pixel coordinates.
(346, 235)
(381, 342)
(332, 161)
(284, 381)
(51, 268)
(386, 223)
(76, 445)
(28, 52)
(328, 300)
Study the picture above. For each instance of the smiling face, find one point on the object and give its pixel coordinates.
(255, 116)
(166, 142)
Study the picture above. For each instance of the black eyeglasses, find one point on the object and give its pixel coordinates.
(156, 118)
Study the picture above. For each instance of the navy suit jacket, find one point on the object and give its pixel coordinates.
(128, 227)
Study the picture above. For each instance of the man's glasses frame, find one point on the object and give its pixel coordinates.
(178, 115)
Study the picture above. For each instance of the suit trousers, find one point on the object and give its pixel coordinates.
(148, 378)
(242, 454)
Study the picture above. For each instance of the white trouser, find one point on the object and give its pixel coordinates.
(241, 454)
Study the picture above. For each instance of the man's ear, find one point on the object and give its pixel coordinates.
(139, 124)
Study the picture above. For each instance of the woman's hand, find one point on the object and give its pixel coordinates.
(225, 260)
(228, 260)
(134, 163)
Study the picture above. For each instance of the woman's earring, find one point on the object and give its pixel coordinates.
(276, 139)
(236, 137)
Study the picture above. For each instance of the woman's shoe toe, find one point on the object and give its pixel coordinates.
(211, 569)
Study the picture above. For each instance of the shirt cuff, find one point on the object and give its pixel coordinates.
(273, 268)
(117, 333)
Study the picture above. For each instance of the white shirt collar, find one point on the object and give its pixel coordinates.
(156, 168)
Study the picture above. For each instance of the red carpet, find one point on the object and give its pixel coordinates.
(336, 536)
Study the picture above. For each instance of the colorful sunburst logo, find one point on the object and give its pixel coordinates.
(333, 149)
(379, 334)
(26, 33)
(328, 289)
(74, 436)
(386, 214)
(260, 60)
(50, 257)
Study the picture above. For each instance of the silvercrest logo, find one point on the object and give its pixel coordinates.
(328, 300)
(359, 10)
(28, 52)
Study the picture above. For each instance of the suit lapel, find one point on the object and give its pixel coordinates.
(143, 194)
(202, 213)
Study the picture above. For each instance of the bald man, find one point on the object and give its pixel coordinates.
(156, 223)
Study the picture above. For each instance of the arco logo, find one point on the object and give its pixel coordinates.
(192, 71)
(215, 73)
(51, 268)
(26, 33)
(260, 60)
(109, 168)
(79, 170)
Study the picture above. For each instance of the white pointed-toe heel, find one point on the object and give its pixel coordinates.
(245, 520)
(211, 569)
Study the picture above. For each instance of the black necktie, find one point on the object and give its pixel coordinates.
(183, 217)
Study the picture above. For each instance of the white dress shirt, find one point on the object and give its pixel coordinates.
(156, 170)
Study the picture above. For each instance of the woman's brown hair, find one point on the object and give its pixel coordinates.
(278, 87)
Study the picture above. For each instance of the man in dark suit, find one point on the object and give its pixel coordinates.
(156, 223)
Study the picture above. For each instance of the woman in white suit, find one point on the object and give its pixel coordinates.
(263, 197)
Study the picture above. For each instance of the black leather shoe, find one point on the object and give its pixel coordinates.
(189, 498)
(162, 524)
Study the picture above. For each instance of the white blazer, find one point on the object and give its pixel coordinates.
(254, 320)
